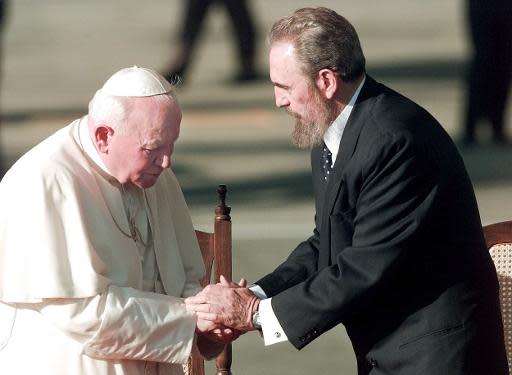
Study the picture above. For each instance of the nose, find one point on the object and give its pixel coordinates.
(281, 98)
(164, 161)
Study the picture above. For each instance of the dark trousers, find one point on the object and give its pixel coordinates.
(490, 71)
(243, 26)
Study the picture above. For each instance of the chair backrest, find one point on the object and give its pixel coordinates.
(216, 249)
(499, 242)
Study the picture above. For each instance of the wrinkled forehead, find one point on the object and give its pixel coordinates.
(155, 117)
(164, 119)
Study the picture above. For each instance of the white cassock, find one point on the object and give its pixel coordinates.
(78, 295)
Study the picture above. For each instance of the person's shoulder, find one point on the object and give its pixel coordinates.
(45, 162)
(396, 124)
(394, 106)
(392, 113)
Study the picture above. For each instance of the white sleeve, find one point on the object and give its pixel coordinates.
(270, 326)
(125, 323)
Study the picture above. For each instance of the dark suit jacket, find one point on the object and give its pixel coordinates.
(397, 255)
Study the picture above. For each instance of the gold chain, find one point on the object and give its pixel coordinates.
(135, 234)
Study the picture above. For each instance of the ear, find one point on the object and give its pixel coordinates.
(327, 82)
(102, 137)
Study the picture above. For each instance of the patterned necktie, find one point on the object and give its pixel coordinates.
(326, 161)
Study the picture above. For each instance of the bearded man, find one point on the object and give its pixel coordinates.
(397, 254)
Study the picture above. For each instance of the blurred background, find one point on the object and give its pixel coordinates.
(56, 53)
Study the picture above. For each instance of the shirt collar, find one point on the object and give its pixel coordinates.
(334, 132)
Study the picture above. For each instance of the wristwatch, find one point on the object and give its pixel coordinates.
(256, 320)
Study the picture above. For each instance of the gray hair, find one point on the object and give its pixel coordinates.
(114, 110)
(322, 39)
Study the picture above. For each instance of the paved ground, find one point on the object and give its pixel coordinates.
(57, 53)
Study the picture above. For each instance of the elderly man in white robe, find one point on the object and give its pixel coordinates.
(97, 249)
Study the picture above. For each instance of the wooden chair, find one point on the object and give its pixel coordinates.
(499, 242)
(216, 250)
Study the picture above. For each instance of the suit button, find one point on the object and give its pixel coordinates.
(373, 362)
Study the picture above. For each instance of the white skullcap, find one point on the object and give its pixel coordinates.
(136, 81)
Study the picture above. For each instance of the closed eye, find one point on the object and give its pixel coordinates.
(281, 86)
(147, 151)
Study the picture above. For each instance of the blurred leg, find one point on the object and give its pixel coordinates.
(244, 28)
(501, 74)
(194, 16)
(490, 69)
(476, 72)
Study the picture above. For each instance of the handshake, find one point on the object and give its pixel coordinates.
(224, 310)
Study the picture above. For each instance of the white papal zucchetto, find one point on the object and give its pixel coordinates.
(136, 81)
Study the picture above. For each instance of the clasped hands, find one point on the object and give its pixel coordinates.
(224, 310)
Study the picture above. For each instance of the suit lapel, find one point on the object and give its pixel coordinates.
(349, 141)
(347, 146)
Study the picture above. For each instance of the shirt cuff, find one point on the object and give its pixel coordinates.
(256, 289)
(270, 326)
